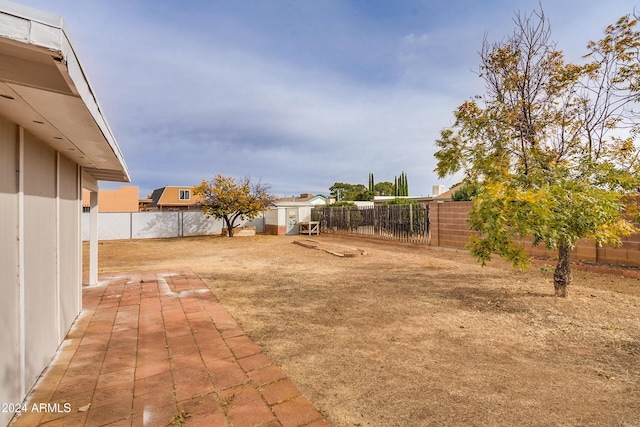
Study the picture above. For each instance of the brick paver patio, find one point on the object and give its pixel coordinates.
(157, 349)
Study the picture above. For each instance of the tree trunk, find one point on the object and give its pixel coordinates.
(229, 226)
(562, 274)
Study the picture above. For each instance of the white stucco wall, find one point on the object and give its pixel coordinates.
(278, 215)
(275, 216)
(9, 303)
(304, 214)
(40, 269)
(70, 264)
(40, 277)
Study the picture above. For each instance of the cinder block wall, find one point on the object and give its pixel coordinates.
(448, 223)
(449, 229)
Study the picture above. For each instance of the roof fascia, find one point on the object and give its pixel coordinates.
(35, 29)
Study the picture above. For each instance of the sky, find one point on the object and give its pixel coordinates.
(299, 94)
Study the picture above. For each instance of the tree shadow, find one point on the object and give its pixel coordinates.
(181, 224)
(146, 225)
(197, 224)
(502, 299)
(173, 224)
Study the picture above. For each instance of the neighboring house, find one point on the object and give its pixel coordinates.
(173, 199)
(54, 141)
(124, 199)
(447, 196)
(439, 194)
(143, 204)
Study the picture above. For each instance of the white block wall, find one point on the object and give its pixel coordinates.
(153, 225)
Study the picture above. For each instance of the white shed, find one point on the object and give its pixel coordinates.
(285, 218)
(54, 140)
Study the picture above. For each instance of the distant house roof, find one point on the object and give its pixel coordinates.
(447, 195)
(304, 198)
(44, 89)
(155, 196)
(173, 196)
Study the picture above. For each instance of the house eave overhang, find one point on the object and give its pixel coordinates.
(44, 89)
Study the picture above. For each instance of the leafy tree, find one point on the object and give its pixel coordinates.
(399, 201)
(362, 194)
(224, 198)
(384, 188)
(549, 145)
(371, 183)
(338, 190)
(342, 204)
(465, 193)
(343, 191)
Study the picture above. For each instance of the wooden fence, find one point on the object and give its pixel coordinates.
(404, 223)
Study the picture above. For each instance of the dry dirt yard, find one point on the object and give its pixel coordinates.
(412, 336)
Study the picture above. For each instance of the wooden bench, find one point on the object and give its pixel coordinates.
(311, 227)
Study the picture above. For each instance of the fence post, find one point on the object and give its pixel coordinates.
(427, 219)
(411, 219)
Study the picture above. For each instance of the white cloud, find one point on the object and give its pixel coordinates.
(300, 94)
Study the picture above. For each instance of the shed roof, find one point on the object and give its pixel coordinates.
(44, 89)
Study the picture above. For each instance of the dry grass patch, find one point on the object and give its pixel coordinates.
(407, 336)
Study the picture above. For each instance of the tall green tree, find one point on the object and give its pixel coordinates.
(224, 198)
(405, 183)
(401, 185)
(550, 145)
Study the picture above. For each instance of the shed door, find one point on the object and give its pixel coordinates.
(292, 221)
